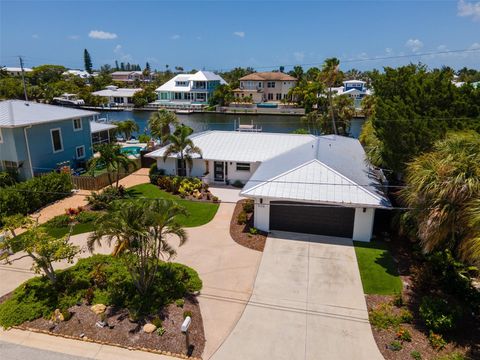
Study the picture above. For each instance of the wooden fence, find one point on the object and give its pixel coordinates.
(100, 181)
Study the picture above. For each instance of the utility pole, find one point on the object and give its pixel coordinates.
(23, 78)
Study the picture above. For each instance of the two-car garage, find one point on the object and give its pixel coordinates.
(312, 218)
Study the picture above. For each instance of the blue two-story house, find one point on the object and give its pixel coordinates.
(36, 138)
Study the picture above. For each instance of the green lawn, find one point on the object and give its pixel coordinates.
(377, 268)
(199, 212)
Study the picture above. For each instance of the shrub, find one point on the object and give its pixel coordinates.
(436, 341)
(416, 355)
(383, 317)
(237, 184)
(438, 315)
(180, 302)
(157, 322)
(187, 313)
(398, 299)
(215, 199)
(160, 331)
(403, 334)
(253, 231)
(396, 345)
(7, 179)
(242, 218)
(144, 138)
(406, 316)
(67, 315)
(59, 221)
(452, 356)
(102, 200)
(29, 196)
(248, 206)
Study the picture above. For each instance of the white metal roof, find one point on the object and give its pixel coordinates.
(354, 82)
(242, 146)
(332, 169)
(120, 92)
(16, 69)
(97, 126)
(170, 85)
(16, 113)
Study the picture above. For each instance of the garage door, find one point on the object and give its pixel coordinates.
(310, 219)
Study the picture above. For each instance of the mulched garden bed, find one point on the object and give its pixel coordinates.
(241, 233)
(128, 334)
(466, 340)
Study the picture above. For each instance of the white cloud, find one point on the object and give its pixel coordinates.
(467, 9)
(117, 49)
(442, 48)
(362, 56)
(475, 46)
(175, 37)
(73, 37)
(239, 34)
(389, 51)
(35, 36)
(414, 44)
(299, 55)
(102, 35)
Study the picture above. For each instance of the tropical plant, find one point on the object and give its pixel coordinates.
(329, 76)
(443, 194)
(111, 157)
(160, 124)
(14, 222)
(183, 147)
(127, 127)
(140, 230)
(42, 248)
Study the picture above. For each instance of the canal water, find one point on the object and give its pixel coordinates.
(212, 121)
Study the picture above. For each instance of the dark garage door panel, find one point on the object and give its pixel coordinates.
(311, 219)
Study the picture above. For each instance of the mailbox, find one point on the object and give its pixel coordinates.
(186, 324)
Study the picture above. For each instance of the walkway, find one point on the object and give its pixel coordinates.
(307, 303)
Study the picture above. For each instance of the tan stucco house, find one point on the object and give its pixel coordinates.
(267, 86)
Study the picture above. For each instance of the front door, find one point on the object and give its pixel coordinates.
(218, 171)
(181, 168)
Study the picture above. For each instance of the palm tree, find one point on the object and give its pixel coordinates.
(328, 76)
(443, 192)
(111, 157)
(182, 146)
(140, 230)
(160, 122)
(127, 127)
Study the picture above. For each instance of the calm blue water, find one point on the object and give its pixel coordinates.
(205, 121)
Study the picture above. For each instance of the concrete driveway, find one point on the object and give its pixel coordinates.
(307, 303)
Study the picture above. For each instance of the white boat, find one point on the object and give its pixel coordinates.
(183, 111)
(68, 100)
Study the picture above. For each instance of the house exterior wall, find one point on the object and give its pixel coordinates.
(363, 225)
(266, 93)
(13, 149)
(261, 212)
(241, 175)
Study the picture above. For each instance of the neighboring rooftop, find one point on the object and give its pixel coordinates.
(17, 113)
(242, 146)
(126, 72)
(116, 91)
(268, 76)
(171, 85)
(15, 69)
(98, 126)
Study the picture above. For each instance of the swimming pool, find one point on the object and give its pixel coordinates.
(132, 150)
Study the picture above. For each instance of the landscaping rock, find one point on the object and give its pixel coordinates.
(149, 328)
(98, 308)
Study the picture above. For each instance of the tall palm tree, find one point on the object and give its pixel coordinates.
(160, 123)
(140, 230)
(111, 157)
(127, 127)
(443, 192)
(328, 76)
(182, 146)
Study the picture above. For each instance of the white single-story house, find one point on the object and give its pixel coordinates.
(116, 95)
(300, 183)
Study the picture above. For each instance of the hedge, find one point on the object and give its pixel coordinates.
(31, 195)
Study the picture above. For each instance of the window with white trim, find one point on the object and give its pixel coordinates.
(77, 124)
(80, 152)
(57, 143)
(243, 166)
(271, 84)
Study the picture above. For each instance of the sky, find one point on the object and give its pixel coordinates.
(220, 35)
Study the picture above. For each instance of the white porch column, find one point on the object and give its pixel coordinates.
(363, 224)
